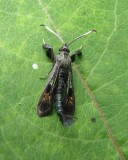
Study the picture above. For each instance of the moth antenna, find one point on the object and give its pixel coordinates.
(50, 30)
(85, 34)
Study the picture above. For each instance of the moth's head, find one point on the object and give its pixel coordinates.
(64, 48)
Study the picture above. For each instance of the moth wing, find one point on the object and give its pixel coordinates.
(69, 102)
(44, 106)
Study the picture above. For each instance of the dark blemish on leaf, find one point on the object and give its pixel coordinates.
(93, 119)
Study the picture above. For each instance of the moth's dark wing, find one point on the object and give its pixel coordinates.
(69, 102)
(44, 107)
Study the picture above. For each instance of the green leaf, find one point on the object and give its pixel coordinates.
(100, 80)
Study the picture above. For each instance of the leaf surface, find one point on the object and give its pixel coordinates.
(100, 80)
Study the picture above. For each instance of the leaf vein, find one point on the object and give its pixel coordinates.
(104, 85)
(105, 49)
(9, 145)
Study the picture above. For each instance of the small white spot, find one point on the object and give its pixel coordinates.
(35, 66)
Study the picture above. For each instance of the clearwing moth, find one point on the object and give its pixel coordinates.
(59, 87)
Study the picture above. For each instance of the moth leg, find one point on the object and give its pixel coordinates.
(46, 76)
(49, 51)
(76, 53)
